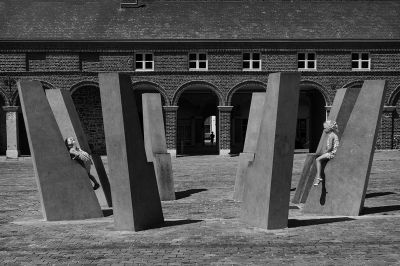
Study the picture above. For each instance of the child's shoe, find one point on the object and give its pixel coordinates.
(317, 181)
(96, 186)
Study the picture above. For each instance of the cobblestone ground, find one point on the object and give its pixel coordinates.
(203, 225)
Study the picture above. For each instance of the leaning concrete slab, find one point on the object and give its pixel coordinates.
(250, 143)
(346, 176)
(156, 145)
(64, 187)
(267, 186)
(136, 202)
(340, 112)
(68, 121)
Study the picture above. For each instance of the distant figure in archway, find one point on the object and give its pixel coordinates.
(332, 143)
(212, 136)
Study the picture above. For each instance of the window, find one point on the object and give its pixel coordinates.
(360, 61)
(306, 61)
(144, 62)
(198, 61)
(251, 61)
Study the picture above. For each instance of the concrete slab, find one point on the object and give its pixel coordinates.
(342, 107)
(346, 176)
(64, 187)
(156, 145)
(136, 201)
(267, 186)
(70, 125)
(250, 143)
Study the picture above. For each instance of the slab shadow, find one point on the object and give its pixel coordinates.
(292, 223)
(378, 194)
(379, 209)
(188, 193)
(107, 212)
(292, 207)
(176, 223)
(293, 189)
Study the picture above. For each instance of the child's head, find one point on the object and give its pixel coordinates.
(330, 126)
(69, 142)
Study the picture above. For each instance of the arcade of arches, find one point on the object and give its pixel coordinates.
(196, 123)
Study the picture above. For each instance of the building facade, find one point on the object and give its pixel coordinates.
(204, 58)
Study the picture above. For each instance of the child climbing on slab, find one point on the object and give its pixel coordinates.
(332, 143)
(82, 157)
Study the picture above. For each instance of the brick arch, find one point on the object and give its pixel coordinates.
(394, 96)
(84, 83)
(3, 95)
(243, 85)
(324, 92)
(46, 85)
(354, 83)
(187, 85)
(143, 85)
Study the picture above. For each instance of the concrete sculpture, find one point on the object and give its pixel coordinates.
(250, 143)
(156, 146)
(136, 201)
(342, 107)
(346, 176)
(64, 187)
(68, 121)
(267, 186)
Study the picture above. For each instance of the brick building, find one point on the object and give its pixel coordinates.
(204, 57)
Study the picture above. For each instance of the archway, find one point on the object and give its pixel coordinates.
(88, 105)
(241, 100)
(395, 132)
(3, 127)
(197, 103)
(310, 118)
(147, 87)
(23, 144)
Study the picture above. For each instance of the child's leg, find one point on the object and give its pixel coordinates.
(96, 185)
(324, 156)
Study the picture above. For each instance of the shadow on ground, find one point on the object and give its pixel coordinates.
(292, 223)
(188, 193)
(378, 194)
(107, 212)
(177, 222)
(379, 209)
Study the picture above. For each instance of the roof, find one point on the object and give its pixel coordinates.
(87, 20)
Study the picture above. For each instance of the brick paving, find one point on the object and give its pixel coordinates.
(203, 225)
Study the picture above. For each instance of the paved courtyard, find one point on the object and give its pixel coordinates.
(203, 225)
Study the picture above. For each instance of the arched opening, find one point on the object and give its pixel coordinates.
(310, 118)
(241, 100)
(197, 104)
(3, 128)
(139, 89)
(88, 105)
(23, 144)
(395, 134)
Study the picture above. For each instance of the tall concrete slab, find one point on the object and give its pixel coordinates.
(340, 112)
(346, 176)
(267, 186)
(68, 121)
(64, 187)
(136, 201)
(156, 145)
(250, 143)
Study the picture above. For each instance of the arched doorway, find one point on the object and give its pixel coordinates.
(88, 105)
(310, 118)
(241, 100)
(23, 143)
(197, 115)
(146, 87)
(3, 128)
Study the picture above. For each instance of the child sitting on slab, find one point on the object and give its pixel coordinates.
(332, 143)
(82, 157)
